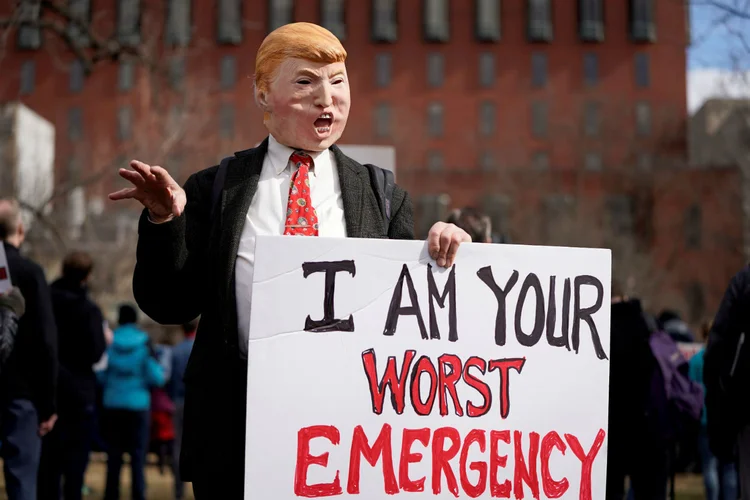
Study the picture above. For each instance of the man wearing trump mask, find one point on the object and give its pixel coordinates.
(195, 251)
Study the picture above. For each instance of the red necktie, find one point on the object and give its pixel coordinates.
(301, 219)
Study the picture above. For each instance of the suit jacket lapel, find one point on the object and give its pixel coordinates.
(352, 192)
(239, 189)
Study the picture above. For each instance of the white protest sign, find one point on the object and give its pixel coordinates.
(374, 372)
(5, 283)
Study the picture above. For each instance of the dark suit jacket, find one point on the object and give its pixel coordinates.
(185, 268)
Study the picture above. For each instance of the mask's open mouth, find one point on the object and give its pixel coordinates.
(324, 122)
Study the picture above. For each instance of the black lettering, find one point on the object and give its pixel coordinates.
(528, 340)
(551, 312)
(329, 323)
(449, 290)
(585, 314)
(566, 313)
(562, 340)
(396, 309)
(485, 274)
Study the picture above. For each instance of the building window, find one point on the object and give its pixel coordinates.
(431, 208)
(226, 120)
(435, 69)
(538, 69)
(383, 120)
(643, 118)
(642, 27)
(590, 69)
(487, 118)
(486, 69)
(129, 22)
(695, 299)
(228, 72)
(642, 70)
(176, 120)
(124, 123)
(591, 118)
(693, 227)
(333, 17)
(28, 77)
(540, 161)
(29, 33)
(179, 23)
(540, 20)
(539, 112)
(75, 123)
(383, 69)
(591, 20)
(126, 75)
(177, 72)
(487, 161)
(80, 10)
(645, 162)
(435, 119)
(620, 211)
(436, 20)
(487, 20)
(280, 12)
(229, 30)
(76, 76)
(384, 21)
(558, 218)
(435, 161)
(592, 162)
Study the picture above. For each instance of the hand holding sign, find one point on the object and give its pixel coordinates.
(443, 241)
(155, 189)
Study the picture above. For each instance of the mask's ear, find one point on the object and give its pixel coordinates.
(261, 98)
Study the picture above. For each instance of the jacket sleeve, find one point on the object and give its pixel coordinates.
(726, 330)
(8, 330)
(402, 220)
(154, 372)
(95, 330)
(40, 314)
(170, 273)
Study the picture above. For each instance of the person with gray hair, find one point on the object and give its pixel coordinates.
(29, 380)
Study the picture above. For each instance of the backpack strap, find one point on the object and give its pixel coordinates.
(383, 184)
(221, 175)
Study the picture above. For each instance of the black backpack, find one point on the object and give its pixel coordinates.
(382, 181)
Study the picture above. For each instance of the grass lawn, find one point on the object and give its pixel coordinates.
(160, 487)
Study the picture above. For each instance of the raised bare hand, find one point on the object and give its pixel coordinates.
(155, 189)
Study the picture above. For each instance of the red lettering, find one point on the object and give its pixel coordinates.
(305, 460)
(552, 488)
(523, 473)
(481, 387)
(505, 365)
(587, 460)
(440, 458)
(448, 382)
(381, 447)
(397, 383)
(407, 457)
(496, 461)
(424, 365)
(473, 490)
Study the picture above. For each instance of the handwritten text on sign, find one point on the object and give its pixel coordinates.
(373, 373)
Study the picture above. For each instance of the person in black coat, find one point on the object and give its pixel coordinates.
(12, 307)
(195, 252)
(81, 343)
(28, 385)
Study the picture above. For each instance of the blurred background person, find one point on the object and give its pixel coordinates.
(130, 373)
(81, 343)
(474, 222)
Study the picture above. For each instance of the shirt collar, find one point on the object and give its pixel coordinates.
(280, 156)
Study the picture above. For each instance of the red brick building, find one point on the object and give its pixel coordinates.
(542, 112)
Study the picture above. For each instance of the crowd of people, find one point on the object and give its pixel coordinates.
(70, 385)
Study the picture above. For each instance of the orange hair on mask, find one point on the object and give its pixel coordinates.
(298, 41)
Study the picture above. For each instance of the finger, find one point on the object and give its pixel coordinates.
(457, 238)
(143, 169)
(178, 202)
(162, 175)
(445, 243)
(123, 194)
(433, 240)
(135, 177)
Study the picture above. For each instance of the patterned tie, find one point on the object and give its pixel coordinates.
(301, 219)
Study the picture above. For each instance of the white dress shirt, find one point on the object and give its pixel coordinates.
(267, 215)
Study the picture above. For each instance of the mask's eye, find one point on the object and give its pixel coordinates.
(304, 81)
(338, 81)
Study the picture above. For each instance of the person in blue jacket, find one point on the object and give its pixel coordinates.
(130, 373)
